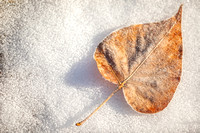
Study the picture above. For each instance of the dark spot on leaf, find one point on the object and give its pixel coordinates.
(151, 99)
(180, 52)
(138, 50)
(109, 58)
(141, 109)
(100, 47)
(154, 84)
(178, 78)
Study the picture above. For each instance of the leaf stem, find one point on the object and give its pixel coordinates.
(119, 88)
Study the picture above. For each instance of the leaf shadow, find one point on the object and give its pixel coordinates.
(85, 74)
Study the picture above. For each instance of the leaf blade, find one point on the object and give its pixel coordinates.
(126, 50)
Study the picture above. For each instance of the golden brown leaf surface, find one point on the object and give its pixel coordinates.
(152, 86)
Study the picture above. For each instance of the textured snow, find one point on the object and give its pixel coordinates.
(50, 81)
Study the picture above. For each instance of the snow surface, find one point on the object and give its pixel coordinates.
(50, 81)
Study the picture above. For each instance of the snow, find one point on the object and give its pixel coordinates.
(49, 78)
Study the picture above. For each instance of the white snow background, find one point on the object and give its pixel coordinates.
(49, 80)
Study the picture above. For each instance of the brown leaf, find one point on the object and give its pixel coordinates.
(146, 60)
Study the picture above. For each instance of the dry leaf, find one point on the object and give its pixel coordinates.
(145, 60)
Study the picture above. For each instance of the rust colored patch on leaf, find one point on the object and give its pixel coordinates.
(148, 57)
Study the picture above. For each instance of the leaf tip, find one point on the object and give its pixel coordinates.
(179, 13)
